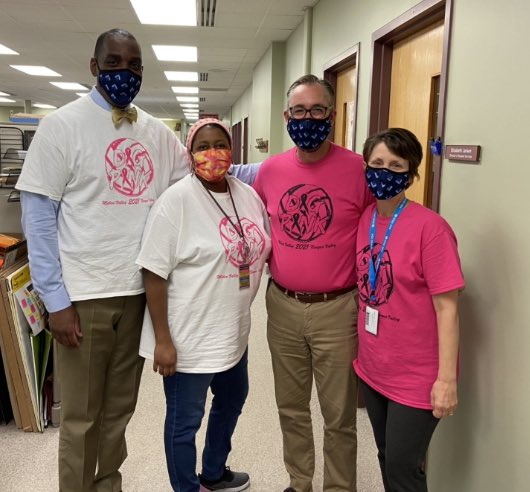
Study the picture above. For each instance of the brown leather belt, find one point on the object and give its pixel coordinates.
(310, 297)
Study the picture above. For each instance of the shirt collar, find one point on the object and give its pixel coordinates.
(100, 100)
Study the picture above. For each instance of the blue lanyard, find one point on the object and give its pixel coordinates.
(374, 270)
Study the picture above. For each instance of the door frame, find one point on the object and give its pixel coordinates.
(413, 20)
(345, 60)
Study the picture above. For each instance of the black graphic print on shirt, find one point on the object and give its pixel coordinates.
(384, 284)
(305, 212)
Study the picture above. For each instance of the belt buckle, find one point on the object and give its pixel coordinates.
(298, 296)
(310, 295)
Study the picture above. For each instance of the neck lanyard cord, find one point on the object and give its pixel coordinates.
(374, 269)
(240, 230)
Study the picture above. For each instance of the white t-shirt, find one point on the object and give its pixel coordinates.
(189, 241)
(106, 179)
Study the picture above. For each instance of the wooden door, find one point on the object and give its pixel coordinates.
(236, 143)
(345, 97)
(414, 87)
(245, 141)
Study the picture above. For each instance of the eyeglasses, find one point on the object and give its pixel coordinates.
(316, 112)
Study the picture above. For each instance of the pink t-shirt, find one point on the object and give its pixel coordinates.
(421, 260)
(314, 209)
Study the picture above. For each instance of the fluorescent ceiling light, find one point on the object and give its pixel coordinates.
(69, 86)
(175, 53)
(44, 106)
(167, 119)
(189, 110)
(4, 94)
(4, 50)
(185, 90)
(188, 99)
(191, 117)
(182, 76)
(36, 70)
(81, 94)
(6, 100)
(189, 105)
(165, 12)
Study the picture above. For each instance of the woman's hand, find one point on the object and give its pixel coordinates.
(165, 358)
(443, 393)
(444, 398)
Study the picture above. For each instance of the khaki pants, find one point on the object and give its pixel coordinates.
(99, 389)
(315, 340)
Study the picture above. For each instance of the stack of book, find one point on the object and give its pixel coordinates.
(25, 345)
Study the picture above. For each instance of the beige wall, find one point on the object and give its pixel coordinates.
(294, 68)
(487, 446)
(277, 98)
(260, 106)
(267, 101)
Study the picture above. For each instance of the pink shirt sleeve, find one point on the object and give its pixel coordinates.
(441, 263)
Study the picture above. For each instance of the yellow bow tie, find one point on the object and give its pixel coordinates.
(118, 115)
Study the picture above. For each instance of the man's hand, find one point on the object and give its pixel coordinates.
(165, 358)
(66, 327)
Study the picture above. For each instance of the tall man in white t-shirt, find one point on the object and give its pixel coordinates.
(93, 171)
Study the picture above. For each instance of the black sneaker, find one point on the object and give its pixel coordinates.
(289, 489)
(229, 482)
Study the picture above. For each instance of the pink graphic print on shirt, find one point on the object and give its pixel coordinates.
(129, 167)
(305, 212)
(384, 284)
(234, 244)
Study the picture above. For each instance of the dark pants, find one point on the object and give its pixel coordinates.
(402, 435)
(185, 401)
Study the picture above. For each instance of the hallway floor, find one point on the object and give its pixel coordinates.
(28, 462)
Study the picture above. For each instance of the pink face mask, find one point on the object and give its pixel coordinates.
(212, 164)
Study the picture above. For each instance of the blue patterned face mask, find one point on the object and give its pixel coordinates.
(121, 86)
(308, 134)
(386, 184)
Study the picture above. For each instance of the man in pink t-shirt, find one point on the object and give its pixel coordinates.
(315, 194)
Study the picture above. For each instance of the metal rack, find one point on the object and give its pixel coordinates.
(12, 154)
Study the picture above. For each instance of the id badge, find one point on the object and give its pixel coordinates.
(372, 318)
(244, 276)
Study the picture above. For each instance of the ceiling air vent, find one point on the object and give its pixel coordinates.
(206, 13)
(203, 76)
(202, 99)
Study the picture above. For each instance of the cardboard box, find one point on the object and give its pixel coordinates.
(13, 246)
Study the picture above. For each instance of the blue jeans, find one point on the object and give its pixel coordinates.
(185, 402)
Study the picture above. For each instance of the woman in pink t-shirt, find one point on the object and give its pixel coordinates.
(409, 278)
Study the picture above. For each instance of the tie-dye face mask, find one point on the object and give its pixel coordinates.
(212, 164)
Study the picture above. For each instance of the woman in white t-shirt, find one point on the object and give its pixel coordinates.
(203, 251)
